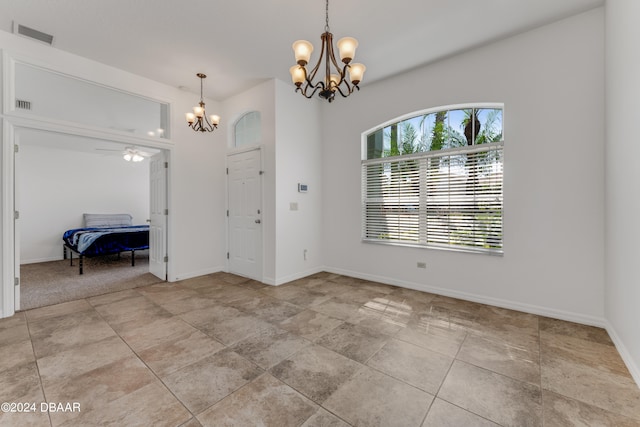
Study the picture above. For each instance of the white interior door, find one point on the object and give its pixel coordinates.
(244, 192)
(158, 212)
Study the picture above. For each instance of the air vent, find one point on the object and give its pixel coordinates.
(33, 34)
(23, 105)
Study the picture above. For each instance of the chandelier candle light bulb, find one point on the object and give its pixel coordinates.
(335, 79)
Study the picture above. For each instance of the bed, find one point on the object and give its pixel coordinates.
(105, 234)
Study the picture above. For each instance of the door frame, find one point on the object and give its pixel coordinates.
(230, 153)
(10, 138)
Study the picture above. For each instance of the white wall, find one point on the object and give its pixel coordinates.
(298, 160)
(551, 81)
(196, 242)
(622, 178)
(291, 141)
(56, 186)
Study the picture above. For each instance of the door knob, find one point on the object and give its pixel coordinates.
(258, 221)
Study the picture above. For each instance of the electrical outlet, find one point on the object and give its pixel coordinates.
(422, 264)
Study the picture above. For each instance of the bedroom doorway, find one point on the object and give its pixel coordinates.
(101, 150)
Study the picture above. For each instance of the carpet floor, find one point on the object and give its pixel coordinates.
(53, 282)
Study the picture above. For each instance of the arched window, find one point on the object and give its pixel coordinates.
(434, 179)
(247, 130)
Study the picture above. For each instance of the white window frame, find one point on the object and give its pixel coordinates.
(419, 229)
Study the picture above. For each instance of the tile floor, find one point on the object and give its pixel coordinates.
(326, 350)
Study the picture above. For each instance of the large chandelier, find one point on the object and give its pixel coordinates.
(198, 120)
(335, 75)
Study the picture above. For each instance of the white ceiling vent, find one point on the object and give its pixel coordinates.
(32, 34)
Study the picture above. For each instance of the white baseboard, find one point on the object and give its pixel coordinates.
(634, 369)
(37, 260)
(296, 276)
(198, 273)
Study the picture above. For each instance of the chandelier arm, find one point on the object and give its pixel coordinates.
(318, 86)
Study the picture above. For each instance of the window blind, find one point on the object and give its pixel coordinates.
(449, 198)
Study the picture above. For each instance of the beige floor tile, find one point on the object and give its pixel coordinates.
(513, 327)
(13, 329)
(188, 303)
(370, 398)
(67, 331)
(156, 332)
(20, 383)
(96, 388)
(610, 391)
(323, 418)
(433, 334)
(233, 329)
(310, 324)
(517, 362)
(326, 287)
(114, 297)
(16, 354)
(560, 411)
(193, 422)
(411, 296)
(57, 310)
(600, 356)
(300, 296)
(414, 365)
(170, 356)
(315, 372)
(354, 342)
(381, 315)
(375, 287)
(229, 278)
(166, 292)
(264, 402)
(501, 399)
(275, 311)
(210, 315)
(585, 332)
(444, 414)
(337, 308)
(211, 379)
(131, 313)
(269, 347)
(82, 359)
(151, 405)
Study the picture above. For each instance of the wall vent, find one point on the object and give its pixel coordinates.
(23, 105)
(33, 34)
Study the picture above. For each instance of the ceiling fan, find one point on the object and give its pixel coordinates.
(130, 154)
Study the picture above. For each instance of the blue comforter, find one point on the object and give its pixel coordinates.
(101, 241)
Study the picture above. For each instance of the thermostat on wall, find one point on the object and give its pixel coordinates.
(302, 188)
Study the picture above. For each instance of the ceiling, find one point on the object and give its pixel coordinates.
(241, 43)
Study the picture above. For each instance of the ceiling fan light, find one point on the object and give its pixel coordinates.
(127, 156)
(137, 158)
(302, 50)
(347, 49)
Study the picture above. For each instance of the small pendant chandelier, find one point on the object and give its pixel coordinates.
(198, 120)
(335, 75)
